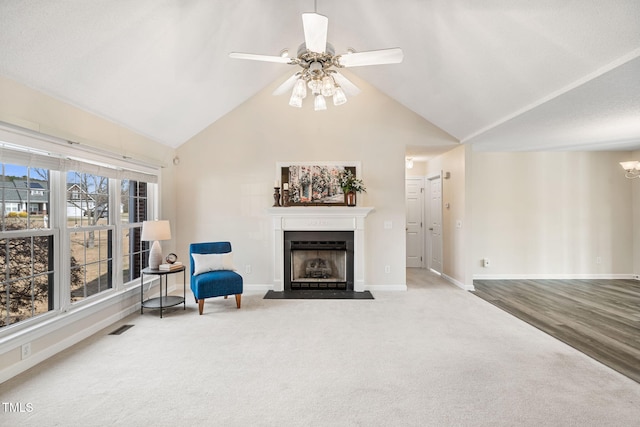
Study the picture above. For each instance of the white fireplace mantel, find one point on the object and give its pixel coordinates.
(324, 218)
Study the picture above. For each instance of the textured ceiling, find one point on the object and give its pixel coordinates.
(500, 74)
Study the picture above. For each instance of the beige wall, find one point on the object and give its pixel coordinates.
(25, 107)
(419, 169)
(552, 213)
(28, 108)
(226, 173)
(454, 194)
(636, 217)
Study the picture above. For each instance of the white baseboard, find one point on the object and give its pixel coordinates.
(395, 288)
(458, 283)
(552, 276)
(257, 288)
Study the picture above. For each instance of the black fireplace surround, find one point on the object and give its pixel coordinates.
(318, 260)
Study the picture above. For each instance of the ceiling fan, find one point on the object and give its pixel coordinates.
(318, 63)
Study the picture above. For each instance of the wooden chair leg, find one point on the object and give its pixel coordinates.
(201, 305)
(226, 296)
(238, 300)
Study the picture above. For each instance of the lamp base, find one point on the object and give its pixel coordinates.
(155, 255)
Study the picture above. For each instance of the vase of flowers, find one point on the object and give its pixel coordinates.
(350, 187)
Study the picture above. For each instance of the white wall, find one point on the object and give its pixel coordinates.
(226, 173)
(552, 214)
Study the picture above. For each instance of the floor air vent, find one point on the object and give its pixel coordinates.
(121, 329)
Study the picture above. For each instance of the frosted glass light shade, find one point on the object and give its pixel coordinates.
(295, 101)
(300, 89)
(327, 86)
(315, 86)
(319, 103)
(339, 97)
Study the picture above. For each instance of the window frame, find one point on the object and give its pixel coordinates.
(19, 144)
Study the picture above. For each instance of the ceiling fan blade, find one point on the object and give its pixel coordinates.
(265, 58)
(346, 85)
(287, 85)
(315, 31)
(372, 57)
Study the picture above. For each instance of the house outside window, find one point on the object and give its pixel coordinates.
(26, 245)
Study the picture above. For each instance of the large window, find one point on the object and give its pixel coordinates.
(26, 244)
(70, 227)
(135, 204)
(90, 236)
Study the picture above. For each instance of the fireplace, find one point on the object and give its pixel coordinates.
(311, 219)
(318, 260)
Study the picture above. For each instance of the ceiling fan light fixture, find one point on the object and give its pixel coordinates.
(319, 103)
(295, 101)
(339, 97)
(319, 63)
(300, 89)
(316, 86)
(328, 86)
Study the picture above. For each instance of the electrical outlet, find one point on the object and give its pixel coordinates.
(387, 269)
(26, 350)
(247, 269)
(486, 263)
(598, 260)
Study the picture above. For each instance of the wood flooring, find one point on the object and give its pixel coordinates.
(601, 318)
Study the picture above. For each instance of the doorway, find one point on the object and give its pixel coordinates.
(414, 203)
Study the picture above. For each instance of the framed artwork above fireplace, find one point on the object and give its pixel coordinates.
(314, 183)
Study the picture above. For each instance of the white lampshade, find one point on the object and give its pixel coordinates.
(155, 231)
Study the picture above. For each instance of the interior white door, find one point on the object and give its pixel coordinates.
(414, 193)
(435, 224)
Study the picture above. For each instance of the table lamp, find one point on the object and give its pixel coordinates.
(155, 231)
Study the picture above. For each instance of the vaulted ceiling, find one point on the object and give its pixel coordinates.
(500, 74)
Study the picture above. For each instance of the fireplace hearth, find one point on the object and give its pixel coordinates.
(318, 260)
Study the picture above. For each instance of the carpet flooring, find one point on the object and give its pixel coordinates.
(434, 355)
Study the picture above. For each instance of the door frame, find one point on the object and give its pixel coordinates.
(427, 209)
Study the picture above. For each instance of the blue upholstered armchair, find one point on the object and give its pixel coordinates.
(212, 272)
